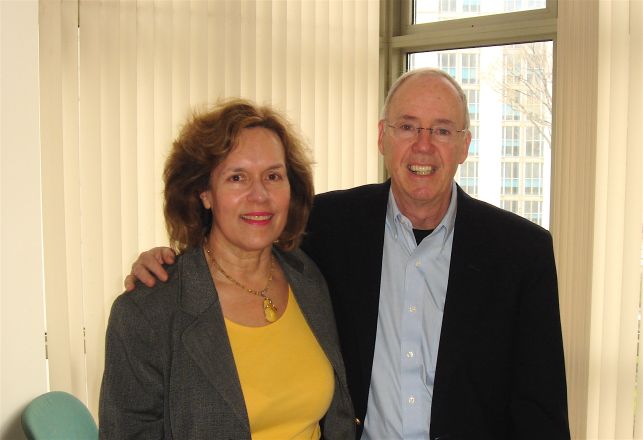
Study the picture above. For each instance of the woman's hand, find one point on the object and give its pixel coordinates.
(149, 267)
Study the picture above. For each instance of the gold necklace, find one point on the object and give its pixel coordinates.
(269, 309)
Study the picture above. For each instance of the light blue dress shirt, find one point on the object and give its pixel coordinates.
(412, 295)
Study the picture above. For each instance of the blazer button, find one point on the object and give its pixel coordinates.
(358, 421)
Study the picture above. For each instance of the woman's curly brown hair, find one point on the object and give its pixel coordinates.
(204, 142)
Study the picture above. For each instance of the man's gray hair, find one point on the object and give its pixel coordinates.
(427, 71)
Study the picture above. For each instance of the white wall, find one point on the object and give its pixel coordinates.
(22, 364)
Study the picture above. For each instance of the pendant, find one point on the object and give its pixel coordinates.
(269, 310)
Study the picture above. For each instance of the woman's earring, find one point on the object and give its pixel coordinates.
(204, 201)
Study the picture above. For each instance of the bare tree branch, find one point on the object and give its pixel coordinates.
(529, 84)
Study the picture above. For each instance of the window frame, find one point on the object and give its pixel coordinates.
(399, 37)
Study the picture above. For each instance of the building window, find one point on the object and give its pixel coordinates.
(512, 68)
(469, 68)
(470, 6)
(512, 5)
(468, 179)
(510, 205)
(446, 62)
(534, 109)
(511, 141)
(473, 100)
(510, 176)
(431, 11)
(473, 146)
(447, 6)
(533, 211)
(533, 178)
(511, 105)
(533, 142)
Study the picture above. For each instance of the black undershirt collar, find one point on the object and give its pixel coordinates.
(420, 234)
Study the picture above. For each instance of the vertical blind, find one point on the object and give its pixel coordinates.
(598, 212)
(615, 400)
(118, 78)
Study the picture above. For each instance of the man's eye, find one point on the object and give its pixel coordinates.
(407, 127)
(441, 131)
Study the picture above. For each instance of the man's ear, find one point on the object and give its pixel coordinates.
(465, 151)
(380, 134)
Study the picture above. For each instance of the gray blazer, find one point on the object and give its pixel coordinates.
(169, 369)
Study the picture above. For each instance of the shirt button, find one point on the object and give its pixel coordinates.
(412, 400)
(412, 309)
(409, 354)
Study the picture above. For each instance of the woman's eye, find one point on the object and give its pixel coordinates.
(274, 177)
(235, 178)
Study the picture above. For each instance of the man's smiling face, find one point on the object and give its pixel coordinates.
(422, 168)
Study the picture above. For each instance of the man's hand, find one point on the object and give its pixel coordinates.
(149, 266)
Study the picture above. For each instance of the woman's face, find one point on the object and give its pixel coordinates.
(249, 192)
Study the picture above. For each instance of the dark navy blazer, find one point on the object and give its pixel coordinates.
(500, 370)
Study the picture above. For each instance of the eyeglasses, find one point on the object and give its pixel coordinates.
(409, 132)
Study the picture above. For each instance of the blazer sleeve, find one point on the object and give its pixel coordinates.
(132, 392)
(539, 399)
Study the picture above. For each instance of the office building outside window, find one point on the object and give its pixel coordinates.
(508, 89)
(473, 146)
(473, 99)
(430, 11)
(533, 178)
(533, 142)
(511, 141)
(468, 177)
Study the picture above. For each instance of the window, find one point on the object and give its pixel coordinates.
(512, 5)
(511, 105)
(533, 178)
(511, 141)
(473, 99)
(473, 146)
(468, 179)
(447, 63)
(534, 108)
(533, 211)
(533, 142)
(510, 178)
(469, 68)
(512, 66)
(510, 205)
(516, 112)
(447, 5)
(429, 11)
(470, 6)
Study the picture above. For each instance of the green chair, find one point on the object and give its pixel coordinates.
(58, 416)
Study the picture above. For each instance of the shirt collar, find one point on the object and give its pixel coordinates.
(398, 222)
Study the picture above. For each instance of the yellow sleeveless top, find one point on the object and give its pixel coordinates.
(286, 379)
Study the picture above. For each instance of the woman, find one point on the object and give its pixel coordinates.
(240, 341)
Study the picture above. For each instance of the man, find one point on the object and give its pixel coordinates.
(447, 307)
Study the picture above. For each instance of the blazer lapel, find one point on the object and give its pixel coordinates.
(368, 241)
(463, 294)
(206, 339)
